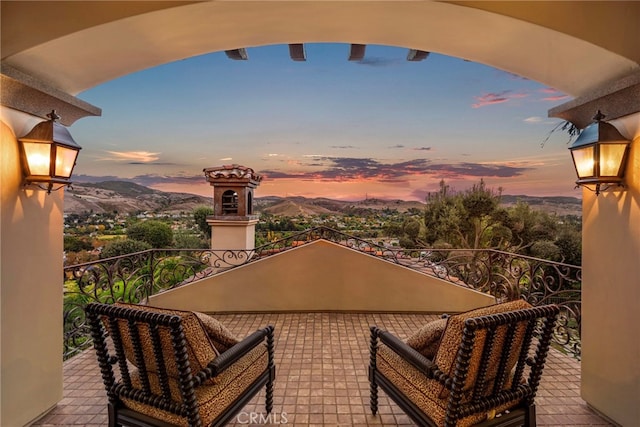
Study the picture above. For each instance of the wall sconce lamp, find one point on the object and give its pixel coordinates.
(48, 154)
(599, 156)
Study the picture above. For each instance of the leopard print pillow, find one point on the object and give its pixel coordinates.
(426, 340)
(221, 337)
(201, 350)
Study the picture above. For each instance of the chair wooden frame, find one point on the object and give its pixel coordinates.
(188, 381)
(487, 395)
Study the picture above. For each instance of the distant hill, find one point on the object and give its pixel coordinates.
(126, 197)
(560, 205)
(124, 188)
(293, 206)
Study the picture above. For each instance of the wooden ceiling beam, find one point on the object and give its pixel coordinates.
(415, 55)
(296, 52)
(237, 54)
(356, 52)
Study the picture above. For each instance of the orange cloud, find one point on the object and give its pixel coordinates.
(132, 156)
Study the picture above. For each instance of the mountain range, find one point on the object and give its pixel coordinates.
(128, 197)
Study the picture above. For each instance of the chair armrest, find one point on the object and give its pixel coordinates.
(235, 353)
(421, 363)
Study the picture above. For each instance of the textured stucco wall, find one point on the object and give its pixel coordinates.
(322, 276)
(611, 293)
(232, 234)
(30, 287)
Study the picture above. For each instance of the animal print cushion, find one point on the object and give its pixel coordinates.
(447, 351)
(426, 339)
(221, 337)
(422, 391)
(213, 397)
(199, 347)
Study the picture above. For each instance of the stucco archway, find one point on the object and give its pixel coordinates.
(89, 44)
(65, 47)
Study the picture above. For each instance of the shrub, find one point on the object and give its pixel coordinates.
(123, 247)
(155, 233)
(183, 240)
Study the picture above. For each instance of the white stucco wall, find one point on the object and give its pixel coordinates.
(232, 234)
(30, 287)
(611, 293)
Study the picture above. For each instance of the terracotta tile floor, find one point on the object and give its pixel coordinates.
(321, 376)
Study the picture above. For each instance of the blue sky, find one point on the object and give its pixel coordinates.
(381, 127)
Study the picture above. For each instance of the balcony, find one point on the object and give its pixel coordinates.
(502, 276)
(321, 378)
(321, 356)
(44, 66)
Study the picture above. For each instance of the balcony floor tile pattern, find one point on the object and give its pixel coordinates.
(321, 376)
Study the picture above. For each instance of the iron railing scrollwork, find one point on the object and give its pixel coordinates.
(507, 276)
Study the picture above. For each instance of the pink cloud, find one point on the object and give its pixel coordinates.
(488, 99)
(496, 98)
(132, 156)
(555, 98)
(555, 95)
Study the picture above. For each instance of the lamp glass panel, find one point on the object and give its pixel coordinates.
(65, 160)
(38, 157)
(584, 161)
(611, 156)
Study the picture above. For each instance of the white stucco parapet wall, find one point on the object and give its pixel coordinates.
(322, 276)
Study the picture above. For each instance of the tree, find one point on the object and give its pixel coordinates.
(410, 233)
(406, 242)
(529, 226)
(569, 243)
(474, 219)
(200, 215)
(442, 216)
(471, 219)
(481, 214)
(75, 244)
(155, 233)
(546, 249)
(123, 247)
(184, 240)
(393, 229)
(412, 228)
(80, 257)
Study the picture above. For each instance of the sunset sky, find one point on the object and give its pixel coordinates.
(383, 127)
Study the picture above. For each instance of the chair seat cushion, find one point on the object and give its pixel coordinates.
(414, 384)
(426, 340)
(422, 391)
(212, 397)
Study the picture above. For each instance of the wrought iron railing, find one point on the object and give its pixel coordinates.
(507, 276)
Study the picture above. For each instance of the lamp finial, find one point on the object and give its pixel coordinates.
(53, 116)
(599, 116)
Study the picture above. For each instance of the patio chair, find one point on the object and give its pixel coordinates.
(482, 367)
(177, 368)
